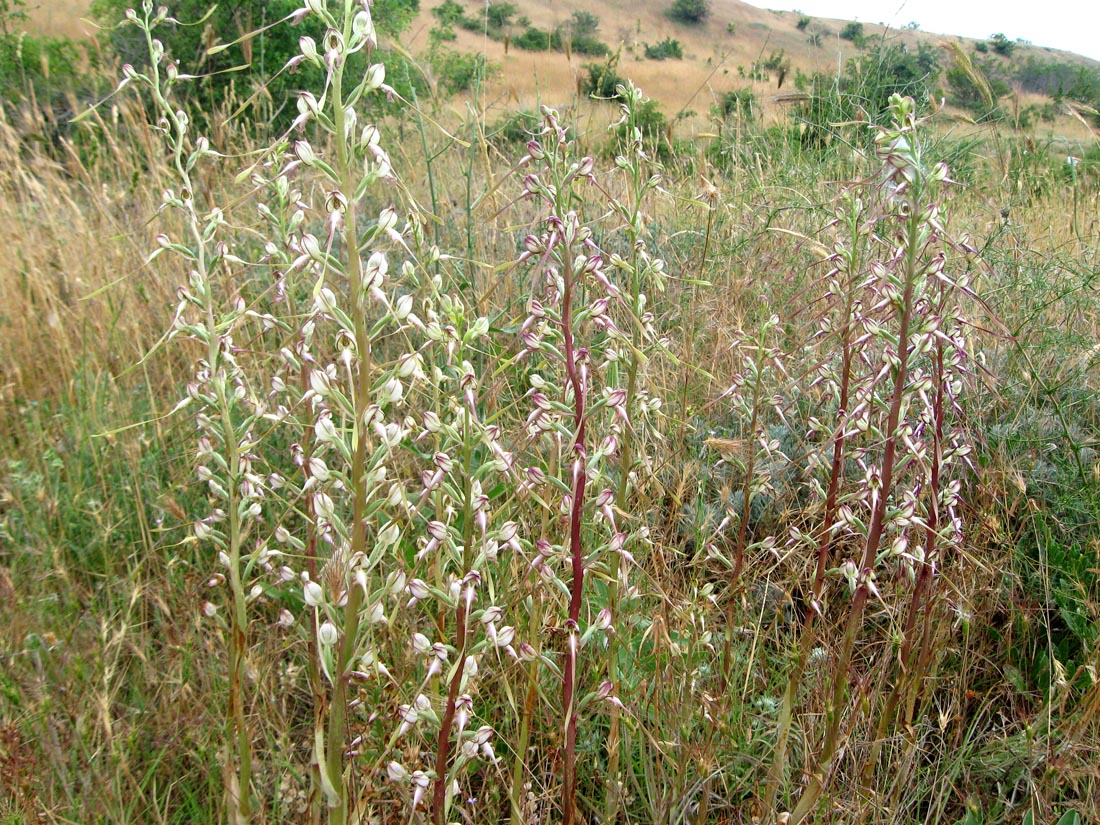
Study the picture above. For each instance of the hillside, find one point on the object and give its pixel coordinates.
(718, 55)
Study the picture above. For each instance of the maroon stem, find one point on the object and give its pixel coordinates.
(924, 579)
(443, 744)
(576, 551)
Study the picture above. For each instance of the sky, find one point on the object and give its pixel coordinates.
(1073, 25)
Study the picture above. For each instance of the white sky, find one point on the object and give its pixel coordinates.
(1073, 25)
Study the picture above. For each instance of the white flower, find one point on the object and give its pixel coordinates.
(313, 594)
(396, 772)
(323, 505)
(328, 634)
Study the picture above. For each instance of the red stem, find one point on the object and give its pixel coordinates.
(443, 744)
(576, 550)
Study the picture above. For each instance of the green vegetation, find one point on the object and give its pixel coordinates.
(50, 71)
(237, 68)
(1001, 45)
(691, 12)
(416, 463)
(854, 33)
(666, 49)
(578, 35)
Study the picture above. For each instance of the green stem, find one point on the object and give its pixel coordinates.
(338, 813)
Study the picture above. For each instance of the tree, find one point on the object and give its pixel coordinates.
(692, 12)
(500, 15)
(1002, 45)
(449, 13)
(853, 32)
(584, 23)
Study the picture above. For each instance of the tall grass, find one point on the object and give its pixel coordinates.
(582, 494)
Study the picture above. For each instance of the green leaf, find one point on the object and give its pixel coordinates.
(1070, 818)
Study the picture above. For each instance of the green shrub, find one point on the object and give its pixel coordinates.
(691, 12)
(740, 102)
(514, 129)
(449, 13)
(1002, 45)
(667, 48)
(578, 36)
(589, 46)
(966, 93)
(534, 40)
(864, 90)
(852, 32)
(498, 16)
(803, 22)
(459, 71)
(653, 127)
(12, 15)
(602, 80)
(50, 73)
(263, 55)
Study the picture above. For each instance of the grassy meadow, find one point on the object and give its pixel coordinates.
(382, 457)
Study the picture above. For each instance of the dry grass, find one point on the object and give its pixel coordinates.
(74, 288)
(712, 55)
(60, 18)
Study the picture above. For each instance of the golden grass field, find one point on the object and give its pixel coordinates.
(63, 18)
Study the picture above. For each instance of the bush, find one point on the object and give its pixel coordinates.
(803, 22)
(865, 89)
(692, 12)
(587, 45)
(602, 80)
(852, 32)
(449, 13)
(653, 127)
(459, 71)
(46, 72)
(514, 129)
(667, 48)
(499, 16)
(12, 15)
(578, 36)
(967, 93)
(741, 102)
(580, 33)
(264, 55)
(535, 40)
(1002, 45)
